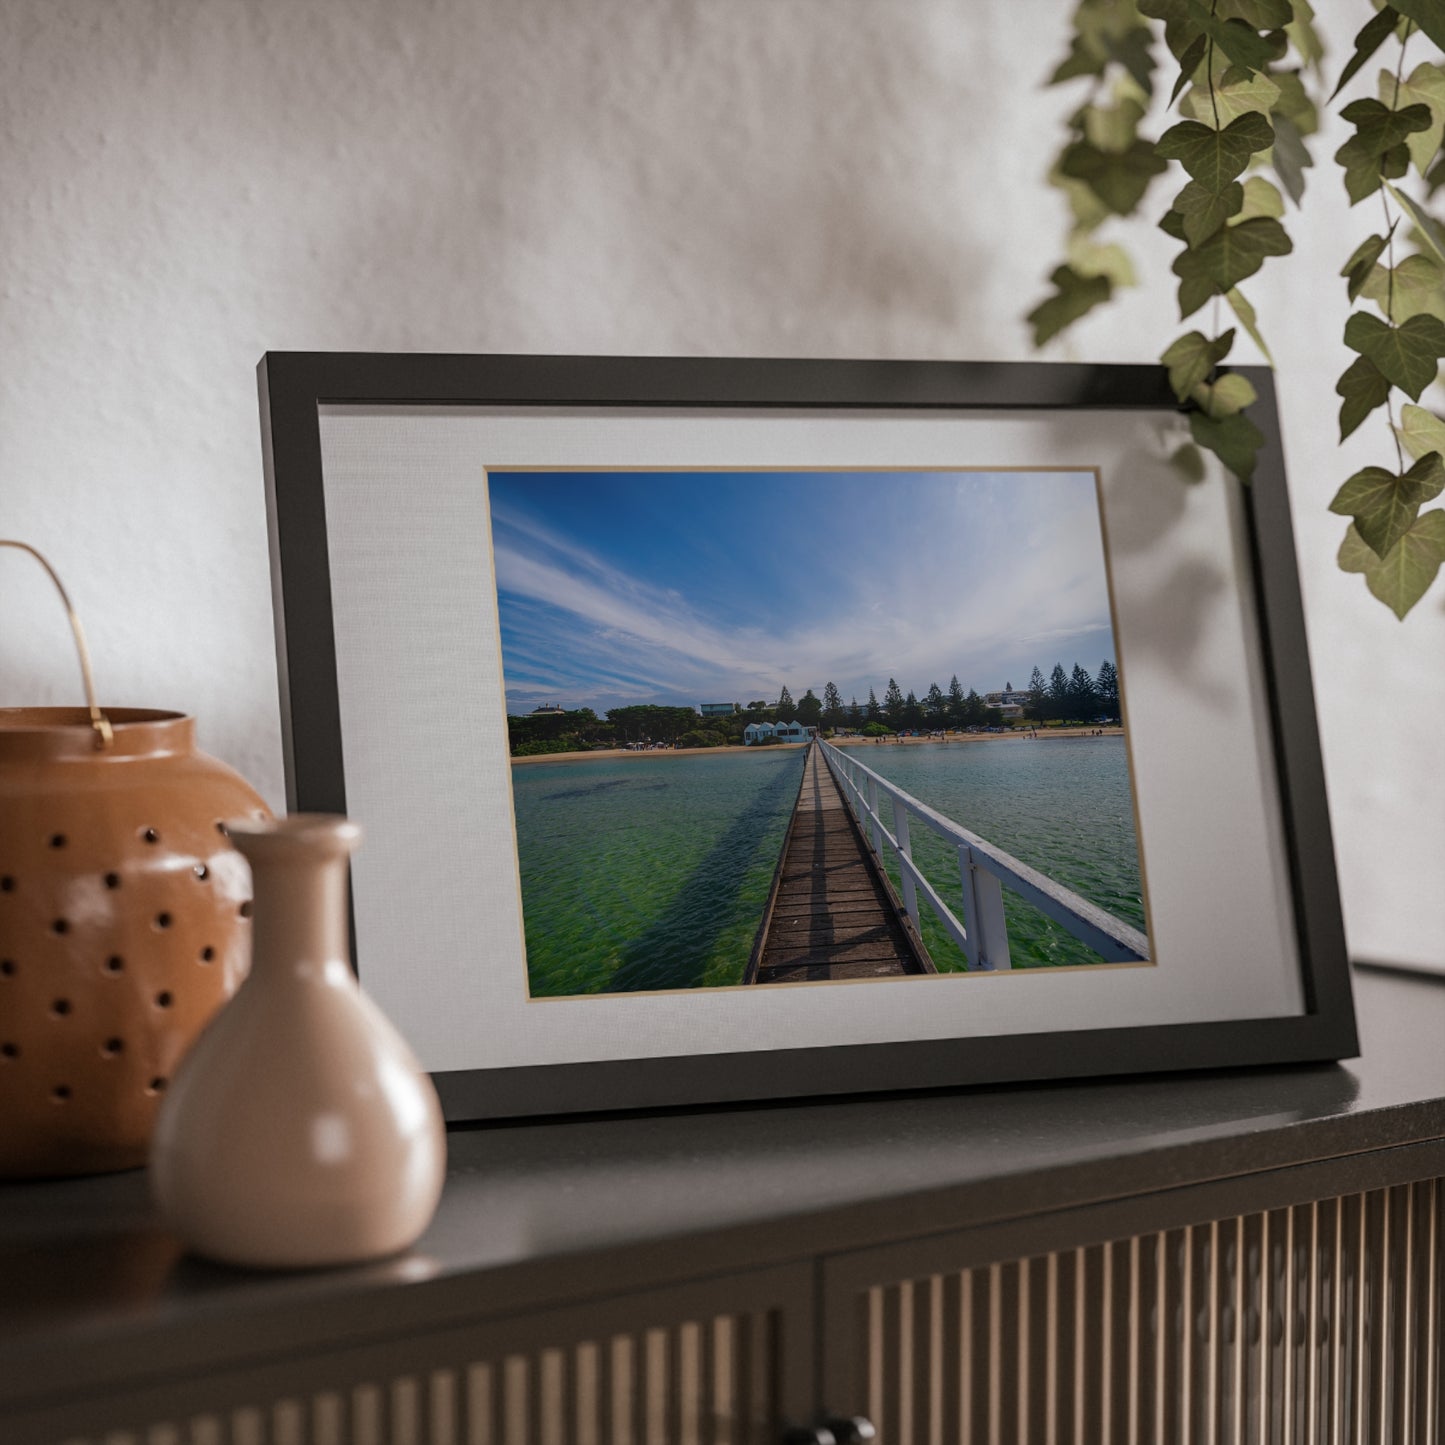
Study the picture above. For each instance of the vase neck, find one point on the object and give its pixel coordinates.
(299, 871)
(300, 911)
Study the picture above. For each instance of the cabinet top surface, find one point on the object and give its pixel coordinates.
(629, 1201)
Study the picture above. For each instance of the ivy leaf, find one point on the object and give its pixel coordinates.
(1301, 31)
(1403, 576)
(1118, 178)
(1081, 60)
(1262, 14)
(1189, 62)
(1234, 439)
(1225, 259)
(1378, 128)
(1245, 312)
(1421, 431)
(1291, 158)
(1088, 211)
(1362, 261)
(1238, 39)
(1191, 358)
(1363, 388)
(1407, 355)
(1216, 157)
(1104, 31)
(1426, 86)
(1374, 34)
(1181, 26)
(1425, 223)
(1294, 101)
(1134, 51)
(1226, 396)
(1075, 296)
(1260, 199)
(1429, 15)
(1089, 258)
(1377, 149)
(1238, 92)
(1384, 506)
(1113, 127)
(1204, 212)
(1172, 224)
(1418, 289)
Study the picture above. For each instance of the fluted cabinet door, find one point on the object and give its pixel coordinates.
(727, 1361)
(1316, 1322)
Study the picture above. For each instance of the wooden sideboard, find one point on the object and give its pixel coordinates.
(1253, 1255)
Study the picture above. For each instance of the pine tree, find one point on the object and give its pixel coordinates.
(955, 703)
(912, 711)
(973, 708)
(832, 707)
(893, 704)
(1106, 685)
(810, 710)
(1058, 692)
(1037, 695)
(855, 713)
(1083, 701)
(936, 706)
(874, 711)
(786, 708)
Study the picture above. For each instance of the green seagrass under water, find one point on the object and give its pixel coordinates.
(653, 872)
(649, 872)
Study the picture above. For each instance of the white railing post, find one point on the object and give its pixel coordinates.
(987, 928)
(900, 831)
(966, 874)
(984, 872)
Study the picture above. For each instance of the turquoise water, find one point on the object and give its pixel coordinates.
(1061, 805)
(648, 872)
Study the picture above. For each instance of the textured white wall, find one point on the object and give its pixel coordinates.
(189, 183)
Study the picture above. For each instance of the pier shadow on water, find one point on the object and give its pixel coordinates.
(675, 949)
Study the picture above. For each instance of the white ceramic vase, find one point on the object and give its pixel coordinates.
(299, 1130)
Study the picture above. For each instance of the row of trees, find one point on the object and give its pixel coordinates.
(1062, 697)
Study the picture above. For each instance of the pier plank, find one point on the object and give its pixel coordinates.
(831, 915)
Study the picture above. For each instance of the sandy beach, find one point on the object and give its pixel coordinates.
(1022, 735)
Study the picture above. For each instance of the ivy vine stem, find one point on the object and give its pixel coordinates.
(1214, 106)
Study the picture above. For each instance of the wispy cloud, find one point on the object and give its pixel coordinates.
(969, 580)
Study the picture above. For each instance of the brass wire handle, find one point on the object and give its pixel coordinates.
(104, 736)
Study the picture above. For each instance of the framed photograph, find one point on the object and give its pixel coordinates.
(730, 729)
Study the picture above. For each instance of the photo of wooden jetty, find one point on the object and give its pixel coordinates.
(805, 836)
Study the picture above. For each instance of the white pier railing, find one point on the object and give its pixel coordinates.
(984, 872)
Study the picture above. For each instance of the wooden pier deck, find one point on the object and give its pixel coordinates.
(832, 914)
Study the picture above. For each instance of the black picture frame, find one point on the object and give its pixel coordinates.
(295, 386)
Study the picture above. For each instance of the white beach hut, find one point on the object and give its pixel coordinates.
(757, 731)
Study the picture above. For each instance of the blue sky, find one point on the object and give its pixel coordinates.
(691, 587)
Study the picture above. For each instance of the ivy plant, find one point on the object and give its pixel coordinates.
(1394, 538)
(1106, 165)
(1240, 89)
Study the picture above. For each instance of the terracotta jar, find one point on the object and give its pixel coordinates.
(123, 926)
(300, 1129)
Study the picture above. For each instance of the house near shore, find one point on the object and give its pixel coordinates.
(783, 732)
(1011, 702)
